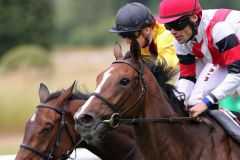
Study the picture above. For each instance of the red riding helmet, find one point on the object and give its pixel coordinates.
(171, 10)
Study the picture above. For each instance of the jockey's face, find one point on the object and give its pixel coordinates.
(183, 35)
(144, 38)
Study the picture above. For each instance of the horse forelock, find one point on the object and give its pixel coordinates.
(80, 95)
(53, 95)
(77, 94)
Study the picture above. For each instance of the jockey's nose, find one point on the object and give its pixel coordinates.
(84, 120)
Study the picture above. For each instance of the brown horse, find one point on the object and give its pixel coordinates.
(129, 92)
(50, 133)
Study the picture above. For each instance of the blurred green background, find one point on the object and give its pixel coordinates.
(57, 42)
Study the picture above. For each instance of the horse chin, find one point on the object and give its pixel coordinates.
(101, 131)
(94, 136)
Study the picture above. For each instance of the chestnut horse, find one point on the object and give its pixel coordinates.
(129, 92)
(50, 133)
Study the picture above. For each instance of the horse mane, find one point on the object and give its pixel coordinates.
(165, 73)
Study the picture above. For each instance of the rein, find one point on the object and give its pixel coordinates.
(63, 124)
(159, 120)
(116, 118)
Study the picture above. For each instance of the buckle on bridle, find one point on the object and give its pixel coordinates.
(113, 122)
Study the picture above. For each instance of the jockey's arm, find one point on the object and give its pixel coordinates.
(187, 78)
(187, 66)
(228, 45)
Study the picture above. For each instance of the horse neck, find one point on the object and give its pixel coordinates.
(169, 141)
(118, 145)
(156, 104)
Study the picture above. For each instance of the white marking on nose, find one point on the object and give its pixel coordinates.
(33, 117)
(106, 75)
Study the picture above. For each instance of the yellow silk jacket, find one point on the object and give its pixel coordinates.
(163, 42)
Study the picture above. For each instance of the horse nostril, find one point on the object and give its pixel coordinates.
(86, 119)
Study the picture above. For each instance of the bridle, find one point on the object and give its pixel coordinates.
(116, 117)
(63, 125)
(114, 121)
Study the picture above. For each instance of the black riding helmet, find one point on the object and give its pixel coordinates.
(132, 17)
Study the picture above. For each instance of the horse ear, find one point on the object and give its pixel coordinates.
(43, 93)
(135, 49)
(73, 87)
(117, 51)
(67, 93)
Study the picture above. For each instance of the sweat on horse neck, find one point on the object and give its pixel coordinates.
(115, 146)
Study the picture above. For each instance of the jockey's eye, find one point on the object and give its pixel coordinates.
(47, 129)
(124, 81)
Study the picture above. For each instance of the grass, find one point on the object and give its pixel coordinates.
(19, 90)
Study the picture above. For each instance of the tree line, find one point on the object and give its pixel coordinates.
(75, 22)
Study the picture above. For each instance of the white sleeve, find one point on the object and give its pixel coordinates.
(221, 30)
(228, 86)
(185, 86)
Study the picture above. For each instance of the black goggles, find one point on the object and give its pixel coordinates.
(130, 35)
(179, 24)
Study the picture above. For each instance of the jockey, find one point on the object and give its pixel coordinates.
(210, 38)
(135, 20)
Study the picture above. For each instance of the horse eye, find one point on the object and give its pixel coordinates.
(47, 129)
(124, 81)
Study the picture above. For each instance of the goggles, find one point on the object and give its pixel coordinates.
(179, 24)
(130, 35)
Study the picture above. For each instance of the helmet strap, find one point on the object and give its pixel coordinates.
(194, 27)
(146, 42)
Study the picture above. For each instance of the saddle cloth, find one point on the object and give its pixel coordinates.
(228, 121)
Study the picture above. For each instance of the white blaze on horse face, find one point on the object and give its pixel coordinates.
(33, 117)
(106, 75)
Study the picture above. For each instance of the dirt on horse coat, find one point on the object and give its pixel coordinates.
(50, 132)
(129, 89)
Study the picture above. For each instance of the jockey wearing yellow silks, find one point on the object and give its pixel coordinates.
(135, 21)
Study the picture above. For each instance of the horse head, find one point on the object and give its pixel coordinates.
(120, 93)
(51, 125)
(50, 133)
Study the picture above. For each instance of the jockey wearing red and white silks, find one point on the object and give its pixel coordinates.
(217, 44)
(210, 59)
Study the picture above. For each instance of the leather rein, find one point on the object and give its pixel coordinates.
(116, 117)
(63, 125)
